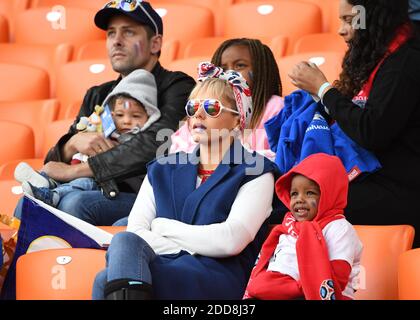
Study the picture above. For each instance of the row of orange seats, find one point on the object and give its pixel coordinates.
(389, 268)
(32, 72)
(71, 22)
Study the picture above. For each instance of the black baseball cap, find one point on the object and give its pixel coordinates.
(140, 11)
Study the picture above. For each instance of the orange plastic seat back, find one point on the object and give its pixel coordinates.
(382, 245)
(89, 4)
(328, 62)
(113, 229)
(189, 66)
(11, 192)
(218, 8)
(92, 50)
(17, 141)
(20, 83)
(53, 132)
(4, 29)
(75, 78)
(278, 45)
(46, 57)
(320, 42)
(35, 114)
(272, 18)
(184, 23)
(58, 274)
(203, 46)
(9, 9)
(409, 275)
(63, 25)
(7, 169)
(169, 51)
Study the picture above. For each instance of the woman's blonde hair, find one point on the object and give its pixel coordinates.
(217, 88)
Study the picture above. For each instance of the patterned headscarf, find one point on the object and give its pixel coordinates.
(241, 90)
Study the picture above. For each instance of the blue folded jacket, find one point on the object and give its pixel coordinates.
(300, 130)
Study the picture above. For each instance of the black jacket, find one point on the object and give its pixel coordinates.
(123, 167)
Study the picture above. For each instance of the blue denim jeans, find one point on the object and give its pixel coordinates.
(123, 222)
(128, 257)
(93, 206)
(80, 184)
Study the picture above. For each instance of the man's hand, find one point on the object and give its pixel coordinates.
(89, 143)
(64, 172)
(307, 77)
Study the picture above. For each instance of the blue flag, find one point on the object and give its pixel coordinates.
(43, 227)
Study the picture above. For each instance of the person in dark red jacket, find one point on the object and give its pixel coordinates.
(315, 253)
(134, 40)
(376, 102)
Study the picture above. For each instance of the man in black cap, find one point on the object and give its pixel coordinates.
(134, 40)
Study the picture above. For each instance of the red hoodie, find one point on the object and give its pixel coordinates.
(320, 278)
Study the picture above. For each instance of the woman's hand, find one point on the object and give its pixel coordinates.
(308, 77)
(64, 172)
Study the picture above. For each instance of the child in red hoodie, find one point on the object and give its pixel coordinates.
(315, 253)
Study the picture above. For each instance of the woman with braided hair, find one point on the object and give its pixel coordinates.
(376, 102)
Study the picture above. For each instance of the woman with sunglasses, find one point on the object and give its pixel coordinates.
(256, 63)
(197, 225)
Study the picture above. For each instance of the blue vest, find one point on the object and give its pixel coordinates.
(174, 179)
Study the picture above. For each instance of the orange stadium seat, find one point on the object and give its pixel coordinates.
(185, 23)
(11, 192)
(34, 114)
(113, 229)
(86, 4)
(46, 57)
(7, 170)
(9, 9)
(334, 21)
(17, 141)
(409, 275)
(201, 47)
(320, 42)
(278, 45)
(92, 50)
(382, 246)
(20, 83)
(58, 274)
(4, 29)
(329, 10)
(53, 132)
(97, 50)
(328, 62)
(189, 66)
(272, 18)
(218, 8)
(75, 78)
(73, 110)
(70, 25)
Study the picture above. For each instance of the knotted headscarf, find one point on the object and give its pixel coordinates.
(241, 90)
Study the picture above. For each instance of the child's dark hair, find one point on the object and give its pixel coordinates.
(265, 73)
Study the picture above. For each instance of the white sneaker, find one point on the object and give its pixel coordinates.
(24, 172)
